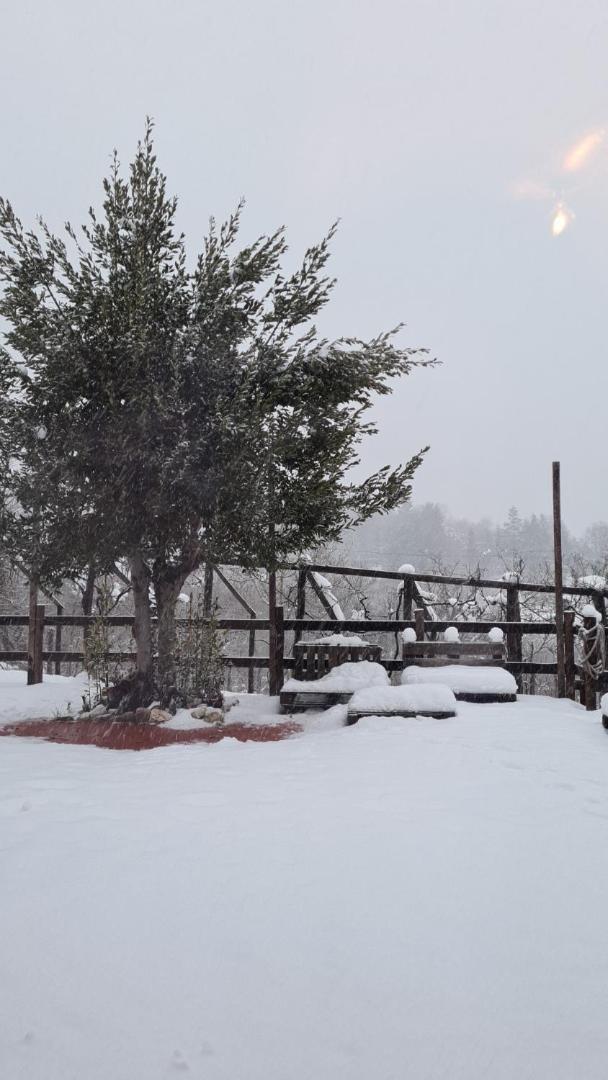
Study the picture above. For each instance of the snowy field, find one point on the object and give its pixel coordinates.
(398, 900)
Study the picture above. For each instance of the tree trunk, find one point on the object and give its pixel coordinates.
(142, 626)
(88, 592)
(166, 593)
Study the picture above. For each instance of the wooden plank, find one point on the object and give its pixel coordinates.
(514, 637)
(273, 679)
(389, 626)
(300, 601)
(31, 634)
(485, 699)
(279, 646)
(444, 579)
(38, 666)
(232, 589)
(354, 717)
(419, 624)
(58, 628)
(445, 661)
(318, 591)
(569, 655)
(559, 583)
(454, 648)
(408, 597)
(251, 673)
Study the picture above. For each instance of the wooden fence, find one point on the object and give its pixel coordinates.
(276, 626)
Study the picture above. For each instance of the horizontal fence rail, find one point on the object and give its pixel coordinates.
(276, 626)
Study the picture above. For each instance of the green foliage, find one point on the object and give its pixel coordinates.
(199, 659)
(97, 647)
(171, 414)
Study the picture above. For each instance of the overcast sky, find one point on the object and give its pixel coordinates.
(414, 121)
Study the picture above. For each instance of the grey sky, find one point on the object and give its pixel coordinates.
(412, 122)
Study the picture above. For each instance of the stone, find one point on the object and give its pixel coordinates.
(209, 714)
(159, 716)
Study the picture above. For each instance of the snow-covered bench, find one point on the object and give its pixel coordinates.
(436, 701)
(334, 688)
(472, 670)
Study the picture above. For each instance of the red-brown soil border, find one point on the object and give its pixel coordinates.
(127, 735)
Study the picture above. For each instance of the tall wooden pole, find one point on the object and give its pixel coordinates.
(273, 674)
(559, 582)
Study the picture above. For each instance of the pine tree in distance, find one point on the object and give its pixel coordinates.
(169, 414)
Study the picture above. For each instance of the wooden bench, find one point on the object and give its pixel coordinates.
(436, 654)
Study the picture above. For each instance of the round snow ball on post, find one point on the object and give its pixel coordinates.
(590, 612)
(41, 432)
(408, 636)
(496, 635)
(407, 568)
(451, 634)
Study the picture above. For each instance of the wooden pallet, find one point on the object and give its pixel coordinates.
(312, 661)
(407, 714)
(484, 699)
(438, 654)
(295, 701)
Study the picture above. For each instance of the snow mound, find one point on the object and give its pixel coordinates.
(496, 635)
(57, 695)
(451, 634)
(343, 679)
(604, 705)
(591, 612)
(406, 568)
(396, 699)
(408, 636)
(463, 678)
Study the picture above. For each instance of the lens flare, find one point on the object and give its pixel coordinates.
(581, 153)
(562, 218)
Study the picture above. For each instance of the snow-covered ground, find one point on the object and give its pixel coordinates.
(398, 900)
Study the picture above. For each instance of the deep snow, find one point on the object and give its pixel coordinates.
(399, 900)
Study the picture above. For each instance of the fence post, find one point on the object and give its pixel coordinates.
(31, 630)
(58, 640)
(408, 597)
(514, 637)
(272, 634)
(300, 602)
(251, 671)
(37, 665)
(569, 663)
(419, 617)
(280, 647)
(590, 692)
